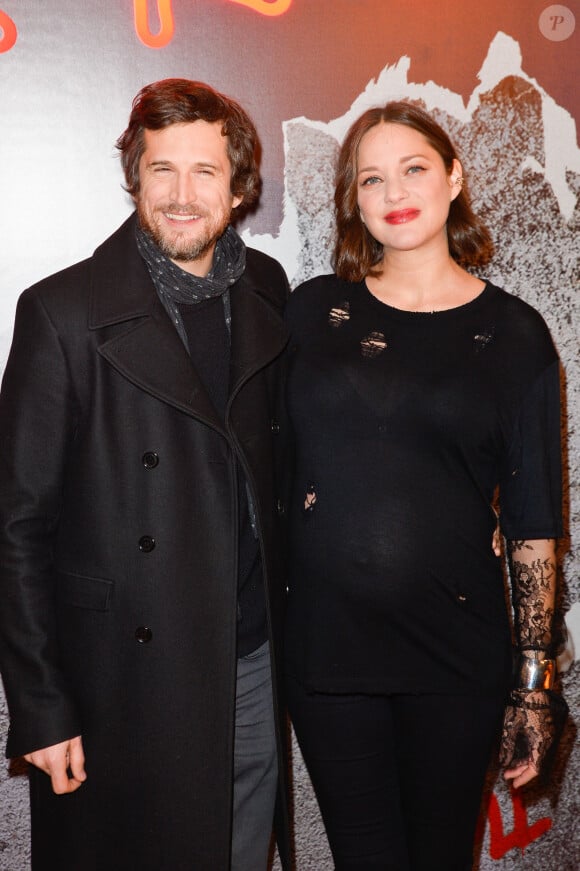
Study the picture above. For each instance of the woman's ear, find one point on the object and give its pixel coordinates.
(455, 179)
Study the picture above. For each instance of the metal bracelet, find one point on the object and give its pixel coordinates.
(536, 674)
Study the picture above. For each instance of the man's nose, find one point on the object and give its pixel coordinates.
(184, 188)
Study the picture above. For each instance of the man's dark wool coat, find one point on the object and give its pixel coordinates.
(118, 558)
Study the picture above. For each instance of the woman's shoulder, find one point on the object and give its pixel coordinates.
(513, 306)
(313, 296)
(519, 319)
(319, 286)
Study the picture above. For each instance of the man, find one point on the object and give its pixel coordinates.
(141, 578)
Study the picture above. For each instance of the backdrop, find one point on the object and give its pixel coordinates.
(502, 77)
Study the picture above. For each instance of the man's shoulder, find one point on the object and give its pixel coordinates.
(266, 275)
(73, 283)
(61, 285)
(260, 262)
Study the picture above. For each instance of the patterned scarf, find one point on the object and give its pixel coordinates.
(176, 287)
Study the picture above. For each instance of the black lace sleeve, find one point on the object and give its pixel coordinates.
(535, 715)
(532, 565)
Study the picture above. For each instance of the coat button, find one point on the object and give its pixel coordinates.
(150, 459)
(275, 427)
(143, 634)
(146, 544)
(280, 507)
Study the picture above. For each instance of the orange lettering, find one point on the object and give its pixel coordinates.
(522, 834)
(166, 27)
(8, 32)
(267, 7)
(166, 24)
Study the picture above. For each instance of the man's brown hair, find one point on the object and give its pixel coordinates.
(181, 101)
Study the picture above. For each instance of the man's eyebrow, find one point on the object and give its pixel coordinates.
(200, 164)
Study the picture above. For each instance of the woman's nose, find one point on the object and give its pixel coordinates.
(395, 190)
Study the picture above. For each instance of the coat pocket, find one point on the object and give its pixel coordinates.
(80, 591)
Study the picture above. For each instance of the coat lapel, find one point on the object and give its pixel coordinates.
(145, 346)
(258, 332)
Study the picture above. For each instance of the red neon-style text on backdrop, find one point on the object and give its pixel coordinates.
(266, 7)
(166, 24)
(8, 32)
(522, 834)
(166, 27)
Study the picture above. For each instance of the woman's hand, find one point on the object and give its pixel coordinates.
(533, 722)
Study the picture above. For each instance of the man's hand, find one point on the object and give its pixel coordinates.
(64, 763)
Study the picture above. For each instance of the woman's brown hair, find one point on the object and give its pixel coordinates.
(357, 253)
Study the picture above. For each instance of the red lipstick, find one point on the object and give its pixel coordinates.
(402, 216)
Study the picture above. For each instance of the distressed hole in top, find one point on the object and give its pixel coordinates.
(373, 345)
(340, 314)
(483, 340)
(310, 499)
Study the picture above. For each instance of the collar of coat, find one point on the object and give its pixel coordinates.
(145, 347)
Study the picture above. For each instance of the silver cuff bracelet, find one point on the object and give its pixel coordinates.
(537, 674)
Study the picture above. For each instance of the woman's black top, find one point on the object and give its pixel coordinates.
(405, 424)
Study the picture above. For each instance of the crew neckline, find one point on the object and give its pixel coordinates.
(409, 314)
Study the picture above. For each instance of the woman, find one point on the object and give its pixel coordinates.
(416, 389)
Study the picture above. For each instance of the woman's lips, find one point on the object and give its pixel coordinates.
(402, 216)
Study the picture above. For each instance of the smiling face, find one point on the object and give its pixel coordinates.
(185, 200)
(403, 189)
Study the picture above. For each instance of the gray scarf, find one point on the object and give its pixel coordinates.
(176, 287)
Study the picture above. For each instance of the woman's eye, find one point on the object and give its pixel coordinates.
(412, 170)
(372, 179)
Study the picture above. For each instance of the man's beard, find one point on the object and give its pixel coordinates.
(178, 246)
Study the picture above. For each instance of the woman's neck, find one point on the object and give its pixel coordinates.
(431, 284)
